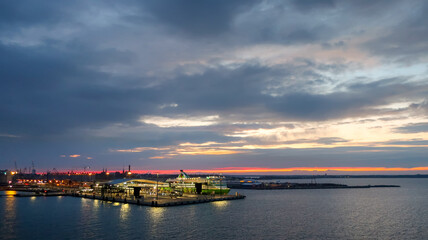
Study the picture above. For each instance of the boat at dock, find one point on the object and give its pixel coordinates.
(182, 184)
(208, 185)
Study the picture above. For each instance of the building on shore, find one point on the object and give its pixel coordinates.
(6, 177)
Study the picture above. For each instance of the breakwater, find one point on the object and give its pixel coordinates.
(290, 186)
(151, 201)
(165, 202)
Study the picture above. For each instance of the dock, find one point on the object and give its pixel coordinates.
(150, 201)
(164, 201)
(291, 186)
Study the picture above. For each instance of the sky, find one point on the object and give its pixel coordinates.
(268, 87)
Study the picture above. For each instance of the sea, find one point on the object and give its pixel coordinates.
(367, 213)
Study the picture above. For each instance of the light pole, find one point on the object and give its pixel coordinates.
(220, 185)
(157, 186)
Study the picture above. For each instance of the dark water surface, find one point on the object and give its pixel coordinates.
(376, 213)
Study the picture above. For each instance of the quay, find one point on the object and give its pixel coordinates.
(164, 201)
(182, 190)
(256, 185)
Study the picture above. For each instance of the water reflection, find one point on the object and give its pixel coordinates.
(9, 217)
(96, 204)
(124, 211)
(89, 217)
(220, 204)
(156, 214)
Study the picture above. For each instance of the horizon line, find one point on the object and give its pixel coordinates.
(248, 170)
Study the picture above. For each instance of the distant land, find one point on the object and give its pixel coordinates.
(326, 176)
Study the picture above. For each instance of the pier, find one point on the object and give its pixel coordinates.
(164, 201)
(255, 185)
(150, 201)
(155, 192)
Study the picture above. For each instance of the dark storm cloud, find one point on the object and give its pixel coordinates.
(56, 102)
(314, 22)
(198, 18)
(46, 89)
(307, 5)
(72, 71)
(357, 100)
(28, 12)
(247, 86)
(405, 41)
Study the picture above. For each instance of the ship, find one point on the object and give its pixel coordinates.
(208, 185)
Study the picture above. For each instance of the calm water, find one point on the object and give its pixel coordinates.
(384, 213)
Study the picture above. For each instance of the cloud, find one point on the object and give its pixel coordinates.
(244, 80)
(405, 41)
(27, 13)
(307, 5)
(165, 122)
(198, 18)
(56, 92)
(331, 140)
(413, 128)
(207, 148)
(410, 143)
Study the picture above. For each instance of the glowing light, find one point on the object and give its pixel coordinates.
(129, 173)
(10, 193)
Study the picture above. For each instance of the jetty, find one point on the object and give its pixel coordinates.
(164, 201)
(150, 200)
(256, 185)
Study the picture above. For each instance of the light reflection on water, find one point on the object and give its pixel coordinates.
(156, 214)
(221, 204)
(8, 218)
(378, 213)
(124, 211)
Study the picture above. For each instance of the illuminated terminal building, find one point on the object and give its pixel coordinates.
(176, 186)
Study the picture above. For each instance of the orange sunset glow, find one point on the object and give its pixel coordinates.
(263, 170)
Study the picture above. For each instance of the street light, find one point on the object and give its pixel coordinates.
(220, 185)
(157, 186)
